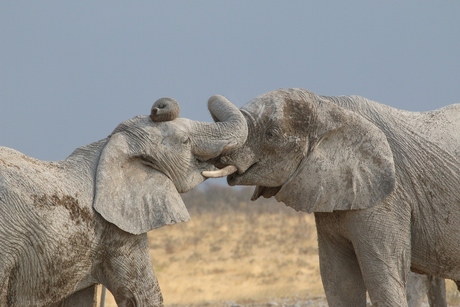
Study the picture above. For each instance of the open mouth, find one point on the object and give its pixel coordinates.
(237, 177)
(232, 178)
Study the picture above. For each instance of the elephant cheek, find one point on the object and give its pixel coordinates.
(190, 181)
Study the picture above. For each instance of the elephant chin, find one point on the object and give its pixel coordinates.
(239, 179)
(234, 179)
(265, 192)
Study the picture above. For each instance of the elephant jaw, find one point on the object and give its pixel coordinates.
(244, 174)
(238, 178)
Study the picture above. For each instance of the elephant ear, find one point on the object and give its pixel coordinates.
(134, 196)
(348, 166)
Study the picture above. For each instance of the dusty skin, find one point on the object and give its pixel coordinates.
(67, 226)
(238, 253)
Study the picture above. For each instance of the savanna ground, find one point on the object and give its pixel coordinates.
(238, 253)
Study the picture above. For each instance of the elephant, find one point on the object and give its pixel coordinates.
(382, 183)
(420, 287)
(69, 225)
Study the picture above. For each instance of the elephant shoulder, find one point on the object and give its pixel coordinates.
(19, 164)
(441, 126)
(11, 163)
(24, 174)
(8, 154)
(446, 116)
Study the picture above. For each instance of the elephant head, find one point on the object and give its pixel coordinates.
(148, 160)
(311, 154)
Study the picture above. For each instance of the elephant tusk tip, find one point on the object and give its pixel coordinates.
(228, 170)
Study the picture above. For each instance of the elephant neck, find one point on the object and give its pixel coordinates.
(82, 163)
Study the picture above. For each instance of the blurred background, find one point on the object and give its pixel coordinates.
(70, 71)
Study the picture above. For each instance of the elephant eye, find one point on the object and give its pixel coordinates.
(273, 133)
(185, 140)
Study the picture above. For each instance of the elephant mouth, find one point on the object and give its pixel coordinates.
(232, 179)
(265, 192)
(241, 179)
(245, 178)
(237, 178)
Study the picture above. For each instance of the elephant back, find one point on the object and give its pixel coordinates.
(442, 127)
(41, 186)
(425, 147)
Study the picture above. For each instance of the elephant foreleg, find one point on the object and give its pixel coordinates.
(340, 273)
(437, 292)
(421, 286)
(417, 289)
(129, 276)
(83, 298)
(381, 240)
(140, 292)
(3, 290)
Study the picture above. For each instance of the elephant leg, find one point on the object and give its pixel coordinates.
(340, 273)
(135, 289)
(420, 286)
(417, 288)
(381, 239)
(3, 289)
(83, 298)
(437, 292)
(129, 276)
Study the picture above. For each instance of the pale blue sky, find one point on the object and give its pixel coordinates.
(70, 71)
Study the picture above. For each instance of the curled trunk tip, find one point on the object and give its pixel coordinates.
(229, 117)
(164, 109)
(227, 132)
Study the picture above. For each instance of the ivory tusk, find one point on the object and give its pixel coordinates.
(229, 169)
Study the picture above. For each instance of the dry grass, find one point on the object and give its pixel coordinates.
(239, 253)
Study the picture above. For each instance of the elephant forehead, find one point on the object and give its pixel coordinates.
(291, 109)
(264, 108)
(177, 127)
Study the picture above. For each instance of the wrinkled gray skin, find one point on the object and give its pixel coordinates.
(382, 183)
(69, 225)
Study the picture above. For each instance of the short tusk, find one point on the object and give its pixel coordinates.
(228, 170)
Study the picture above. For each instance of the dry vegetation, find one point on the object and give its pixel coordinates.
(235, 252)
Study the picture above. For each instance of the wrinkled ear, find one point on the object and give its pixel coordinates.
(350, 166)
(134, 196)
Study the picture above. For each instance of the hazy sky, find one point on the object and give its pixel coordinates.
(70, 71)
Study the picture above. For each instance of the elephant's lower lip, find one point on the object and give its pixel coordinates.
(233, 179)
(237, 177)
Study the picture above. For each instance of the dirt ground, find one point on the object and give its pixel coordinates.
(249, 254)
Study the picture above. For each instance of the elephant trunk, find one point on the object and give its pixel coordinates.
(230, 130)
(164, 109)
